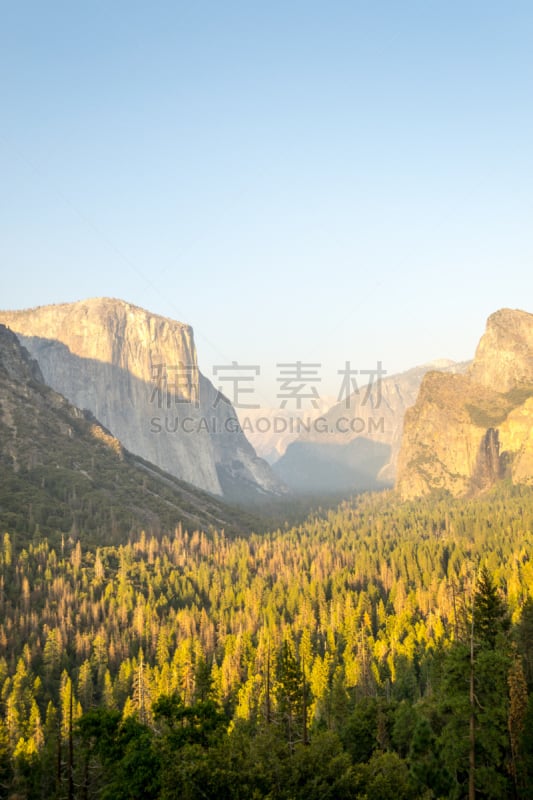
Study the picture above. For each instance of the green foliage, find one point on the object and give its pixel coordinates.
(475, 702)
(490, 614)
(128, 766)
(196, 724)
(359, 735)
(385, 777)
(330, 660)
(524, 639)
(492, 408)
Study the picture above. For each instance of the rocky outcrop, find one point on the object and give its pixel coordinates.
(516, 442)
(466, 432)
(504, 356)
(138, 374)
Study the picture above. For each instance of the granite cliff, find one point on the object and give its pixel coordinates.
(62, 472)
(138, 374)
(466, 432)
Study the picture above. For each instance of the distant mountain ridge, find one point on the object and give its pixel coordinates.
(357, 443)
(271, 430)
(138, 374)
(467, 432)
(62, 471)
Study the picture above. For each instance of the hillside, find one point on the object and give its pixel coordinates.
(61, 471)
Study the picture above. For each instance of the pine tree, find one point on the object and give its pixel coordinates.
(491, 617)
(85, 685)
(142, 696)
(475, 738)
(518, 703)
(291, 691)
(524, 638)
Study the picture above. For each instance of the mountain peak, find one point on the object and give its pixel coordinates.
(504, 356)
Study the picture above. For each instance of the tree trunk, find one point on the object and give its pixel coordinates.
(70, 750)
(472, 733)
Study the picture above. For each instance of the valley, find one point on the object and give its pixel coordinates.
(156, 637)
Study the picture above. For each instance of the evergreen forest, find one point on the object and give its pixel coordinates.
(376, 650)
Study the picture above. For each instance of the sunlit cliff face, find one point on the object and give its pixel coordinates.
(467, 432)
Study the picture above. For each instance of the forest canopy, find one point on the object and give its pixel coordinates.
(376, 650)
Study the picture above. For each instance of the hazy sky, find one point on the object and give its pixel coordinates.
(315, 181)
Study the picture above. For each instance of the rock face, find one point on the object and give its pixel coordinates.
(355, 445)
(504, 356)
(61, 472)
(466, 432)
(138, 374)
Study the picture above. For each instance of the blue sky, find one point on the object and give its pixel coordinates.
(297, 180)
